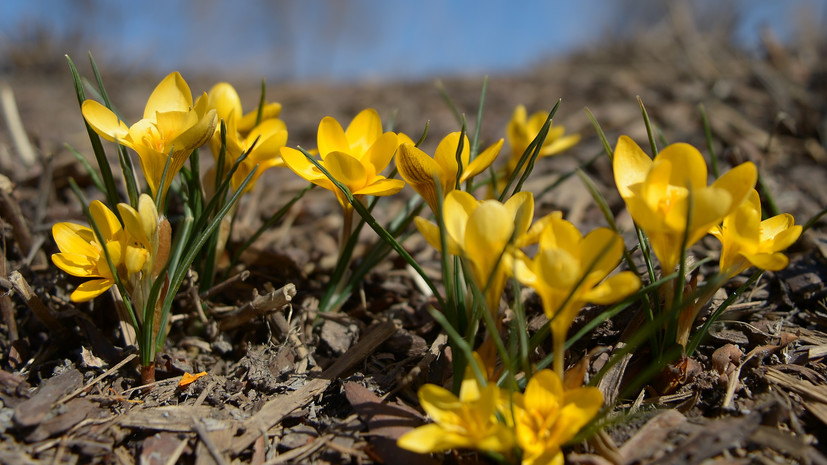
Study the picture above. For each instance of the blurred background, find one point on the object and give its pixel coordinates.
(359, 40)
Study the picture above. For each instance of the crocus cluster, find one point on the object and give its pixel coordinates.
(527, 414)
(536, 423)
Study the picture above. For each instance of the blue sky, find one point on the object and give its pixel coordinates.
(356, 39)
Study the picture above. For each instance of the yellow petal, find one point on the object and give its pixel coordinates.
(296, 161)
(135, 258)
(171, 94)
(196, 135)
(768, 261)
(446, 154)
(709, 206)
(363, 131)
(331, 137)
(560, 145)
(439, 403)
(271, 135)
(420, 171)
(780, 239)
(224, 98)
(688, 165)
(739, 182)
(132, 223)
(482, 162)
(630, 165)
(106, 221)
(601, 251)
(380, 153)
(519, 266)
(515, 132)
(75, 239)
(558, 268)
(544, 392)
(271, 110)
(381, 187)
(560, 233)
(75, 264)
(346, 169)
(521, 209)
(148, 215)
(103, 121)
(456, 209)
(580, 406)
(90, 289)
(614, 289)
(432, 438)
(488, 231)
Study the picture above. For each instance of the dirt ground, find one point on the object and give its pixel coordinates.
(298, 386)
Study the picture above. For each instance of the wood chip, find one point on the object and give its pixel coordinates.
(34, 410)
(712, 440)
(651, 437)
(177, 418)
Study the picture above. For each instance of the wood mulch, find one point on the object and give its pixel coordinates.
(286, 384)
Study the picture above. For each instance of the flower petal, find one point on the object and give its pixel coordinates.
(106, 221)
(224, 98)
(90, 289)
(446, 154)
(380, 153)
(296, 161)
(171, 94)
(103, 121)
(614, 289)
(270, 111)
(601, 251)
(560, 145)
(630, 165)
(381, 187)
(132, 223)
(739, 182)
(456, 209)
(75, 264)
(420, 171)
(521, 209)
(196, 135)
(331, 137)
(482, 162)
(432, 438)
(767, 261)
(346, 169)
(74, 238)
(363, 131)
(688, 165)
(544, 392)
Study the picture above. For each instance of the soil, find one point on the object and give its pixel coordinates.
(299, 386)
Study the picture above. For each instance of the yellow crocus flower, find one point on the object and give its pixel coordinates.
(150, 233)
(657, 194)
(480, 231)
(423, 173)
(81, 254)
(171, 124)
(269, 135)
(522, 129)
(465, 422)
(569, 271)
(355, 157)
(547, 416)
(747, 241)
